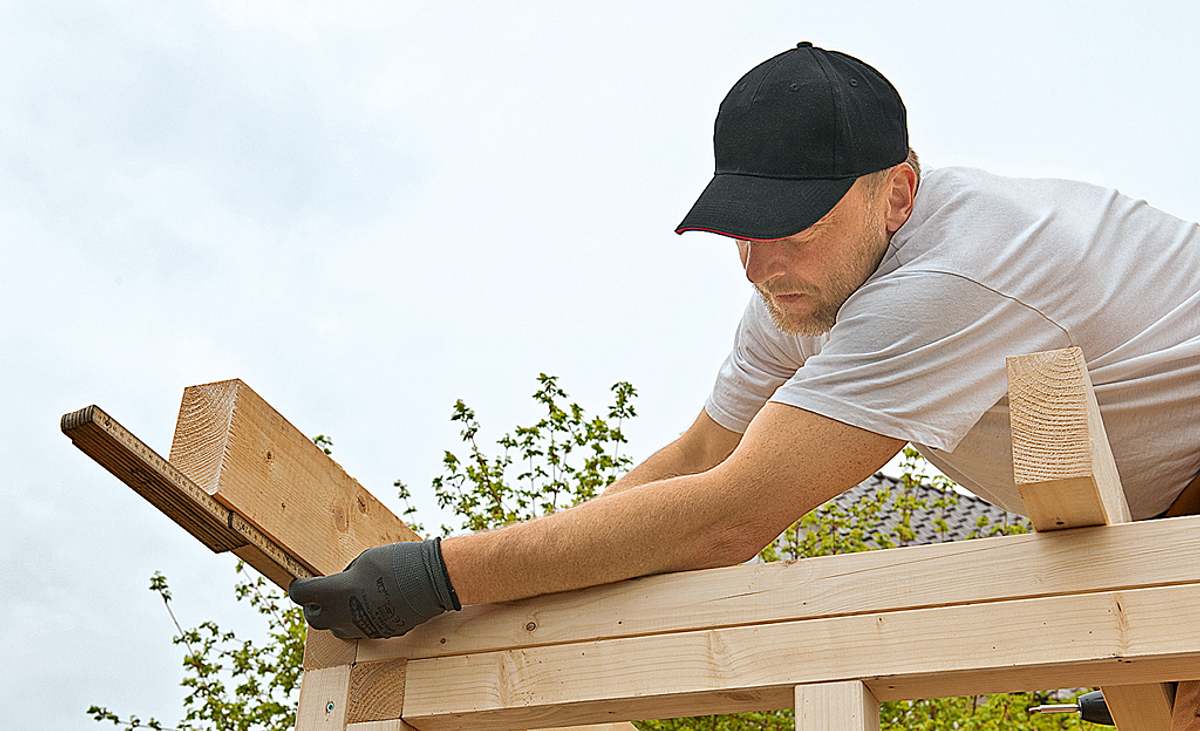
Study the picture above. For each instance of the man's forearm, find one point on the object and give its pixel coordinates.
(669, 525)
(670, 461)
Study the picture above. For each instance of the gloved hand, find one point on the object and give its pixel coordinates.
(384, 592)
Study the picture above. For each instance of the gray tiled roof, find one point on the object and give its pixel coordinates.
(962, 517)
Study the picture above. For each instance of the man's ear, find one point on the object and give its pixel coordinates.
(899, 195)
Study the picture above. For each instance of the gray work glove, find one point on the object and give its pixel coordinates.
(384, 592)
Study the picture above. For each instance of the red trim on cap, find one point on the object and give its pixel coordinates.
(680, 231)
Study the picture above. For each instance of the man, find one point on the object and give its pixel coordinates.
(884, 306)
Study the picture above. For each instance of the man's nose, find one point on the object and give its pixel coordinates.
(762, 261)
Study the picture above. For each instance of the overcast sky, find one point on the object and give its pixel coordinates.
(369, 211)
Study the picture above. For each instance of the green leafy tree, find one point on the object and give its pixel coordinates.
(232, 684)
(560, 460)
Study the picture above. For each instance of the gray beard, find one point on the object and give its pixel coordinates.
(841, 285)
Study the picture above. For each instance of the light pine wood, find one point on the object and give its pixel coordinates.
(172, 491)
(323, 650)
(1061, 562)
(1140, 707)
(1186, 713)
(324, 697)
(376, 691)
(1062, 462)
(251, 459)
(844, 706)
(1124, 637)
(255, 557)
(621, 726)
(394, 725)
(1064, 467)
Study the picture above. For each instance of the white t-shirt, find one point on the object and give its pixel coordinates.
(988, 266)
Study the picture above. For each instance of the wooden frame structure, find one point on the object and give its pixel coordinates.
(1090, 599)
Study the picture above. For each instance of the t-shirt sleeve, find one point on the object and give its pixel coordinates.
(919, 356)
(755, 367)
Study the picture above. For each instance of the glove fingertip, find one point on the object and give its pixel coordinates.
(302, 591)
(312, 615)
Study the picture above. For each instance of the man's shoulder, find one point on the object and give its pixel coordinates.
(956, 201)
(978, 184)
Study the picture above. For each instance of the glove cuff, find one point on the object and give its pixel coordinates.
(441, 579)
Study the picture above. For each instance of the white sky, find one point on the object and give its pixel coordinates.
(367, 211)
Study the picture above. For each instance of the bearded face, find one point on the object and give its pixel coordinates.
(806, 278)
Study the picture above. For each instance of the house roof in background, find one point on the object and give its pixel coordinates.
(962, 518)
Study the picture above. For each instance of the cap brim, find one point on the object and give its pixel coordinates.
(757, 208)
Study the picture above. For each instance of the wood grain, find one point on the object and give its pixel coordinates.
(115, 448)
(1062, 462)
(1064, 468)
(1122, 637)
(1145, 707)
(323, 699)
(1129, 555)
(376, 691)
(323, 650)
(252, 460)
(844, 706)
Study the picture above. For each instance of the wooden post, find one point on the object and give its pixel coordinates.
(1064, 469)
(1062, 462)
(1137, 707)
(846, 706)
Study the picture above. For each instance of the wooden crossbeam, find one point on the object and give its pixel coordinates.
(1123, 637)
(1124, 556)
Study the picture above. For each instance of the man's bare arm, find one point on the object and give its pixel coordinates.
(789, 461)
(703, 446)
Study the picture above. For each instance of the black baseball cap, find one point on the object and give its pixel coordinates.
(791, 137)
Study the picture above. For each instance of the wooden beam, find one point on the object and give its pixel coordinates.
(844, 706)
(1131, 637)
(1125, 556)
(1062, 463)
(130, 460)
(376, 691)
(323, 650)
(252, 460)
(324, 696)
(1064, 468)
(1144, 707)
